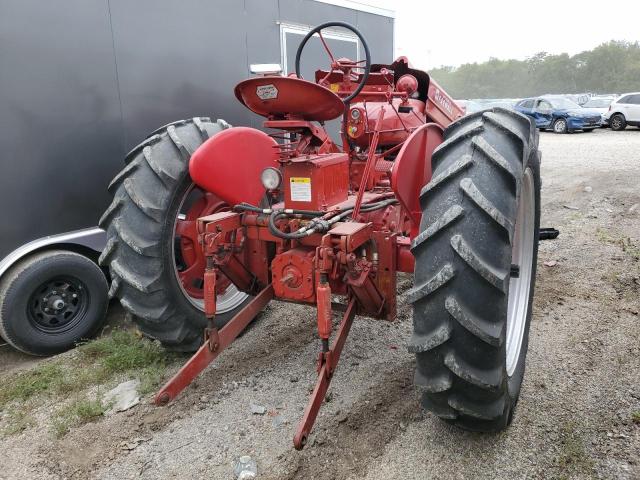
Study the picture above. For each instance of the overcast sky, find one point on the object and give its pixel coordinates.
(453, 32)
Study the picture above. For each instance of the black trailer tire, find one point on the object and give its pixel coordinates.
(468, 366)
(51, 300)
(140, 224)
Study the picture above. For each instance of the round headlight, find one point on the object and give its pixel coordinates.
(271, 178)
(355, 114)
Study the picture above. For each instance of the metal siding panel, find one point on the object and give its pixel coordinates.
(178, 60)
(378, 31)
(263, 39)
(60, 122)
(312, 13)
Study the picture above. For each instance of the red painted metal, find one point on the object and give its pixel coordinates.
(323, 295)
(238, 152)
(441, 108)
(204, 356)
(372, 182)
(370, 163)
(316, 182)
(292, 274)
(404, 258)
(415, 157)
(210, 289)
(327, 364)
(289, 97)
(191, 255)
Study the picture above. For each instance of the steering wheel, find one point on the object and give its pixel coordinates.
(344, 65)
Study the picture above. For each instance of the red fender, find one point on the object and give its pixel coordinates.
(412, 169)
(229, 164)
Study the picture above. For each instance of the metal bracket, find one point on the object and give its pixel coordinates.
(327, 363)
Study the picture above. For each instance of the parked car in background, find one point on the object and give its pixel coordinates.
(559, 114)
(477, 104)
(601, 104)
(624, 111)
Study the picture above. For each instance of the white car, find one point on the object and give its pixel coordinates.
(624, 111)
(601, 104)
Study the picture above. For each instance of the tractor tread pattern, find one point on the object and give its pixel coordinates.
(462, 272)
(134, 221)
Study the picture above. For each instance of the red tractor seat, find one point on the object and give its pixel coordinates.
(288, 97)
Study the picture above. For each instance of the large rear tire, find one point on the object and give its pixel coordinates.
(475, 269)
(152, 253)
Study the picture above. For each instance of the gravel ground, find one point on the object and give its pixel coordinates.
(574, 419)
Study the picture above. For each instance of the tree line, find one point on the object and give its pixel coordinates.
(612, 67)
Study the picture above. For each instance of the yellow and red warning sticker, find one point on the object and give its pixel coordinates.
(300, 188)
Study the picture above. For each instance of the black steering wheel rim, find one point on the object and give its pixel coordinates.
(367, 67)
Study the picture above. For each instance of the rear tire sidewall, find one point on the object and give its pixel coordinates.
(17, 326)
(514, 382)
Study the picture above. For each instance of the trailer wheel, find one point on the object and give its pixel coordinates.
(156, 265)
(475, 269)
(51, 300)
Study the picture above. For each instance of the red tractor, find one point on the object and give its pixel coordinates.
(210, 223)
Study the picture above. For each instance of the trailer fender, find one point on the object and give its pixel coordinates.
(91, 238)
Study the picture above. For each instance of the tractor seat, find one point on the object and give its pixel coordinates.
(289, 97)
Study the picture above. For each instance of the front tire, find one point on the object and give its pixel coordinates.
(52, 300)
(560, 126)
(618, 122)
(152, 251)
(475, 269)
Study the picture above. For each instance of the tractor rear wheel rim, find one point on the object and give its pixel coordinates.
(228, 297)
(520, 285)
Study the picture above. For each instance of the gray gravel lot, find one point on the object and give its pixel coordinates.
(574, 419)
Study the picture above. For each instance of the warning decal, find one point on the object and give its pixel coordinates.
(300, 188)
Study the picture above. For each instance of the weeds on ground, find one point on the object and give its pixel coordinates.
(17, 420)
(93, 363)
(635, 417)
(80, 411)
(625, 243)
(573, 458)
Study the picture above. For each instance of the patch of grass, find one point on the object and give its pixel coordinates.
(573, 458)
(123, 351)
(17, 420)
(97, 362)
(635, 417)
(79, 412)
(41, 379)
(625, 243)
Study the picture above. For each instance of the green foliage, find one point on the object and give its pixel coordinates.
(80, 411)
(612, 67)
(96, 362)
(17, 420)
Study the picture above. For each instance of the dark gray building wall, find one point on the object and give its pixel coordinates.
(83, 81)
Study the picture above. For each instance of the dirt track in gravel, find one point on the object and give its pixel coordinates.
(574, 419)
